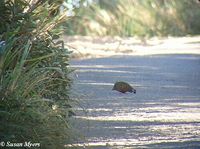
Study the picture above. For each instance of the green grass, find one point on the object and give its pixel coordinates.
(34, 75)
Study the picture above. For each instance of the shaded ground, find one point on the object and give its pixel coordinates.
(165, 112)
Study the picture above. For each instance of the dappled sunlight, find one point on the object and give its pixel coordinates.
(85, 47)
(97, 70)
(164, 111)
(152, 134)
(192, 116)
(111, 66)
(95, 83)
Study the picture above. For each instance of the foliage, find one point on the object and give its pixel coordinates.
(34, 74)
(144, 18)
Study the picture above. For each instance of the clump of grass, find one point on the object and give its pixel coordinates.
(34, 74)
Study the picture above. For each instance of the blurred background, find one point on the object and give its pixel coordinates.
(143, 18)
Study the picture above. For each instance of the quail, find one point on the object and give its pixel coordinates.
(123, 87)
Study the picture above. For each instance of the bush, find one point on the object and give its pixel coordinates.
(143, 18)
(34, 74)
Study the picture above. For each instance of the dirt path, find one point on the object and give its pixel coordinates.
(165, 112)
(95, 47)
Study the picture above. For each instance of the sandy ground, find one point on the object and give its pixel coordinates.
(165, 112)
(95, 47)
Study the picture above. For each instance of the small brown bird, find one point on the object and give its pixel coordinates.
(123, 87)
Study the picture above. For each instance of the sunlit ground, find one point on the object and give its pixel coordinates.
(93, 47)
(165, 111)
